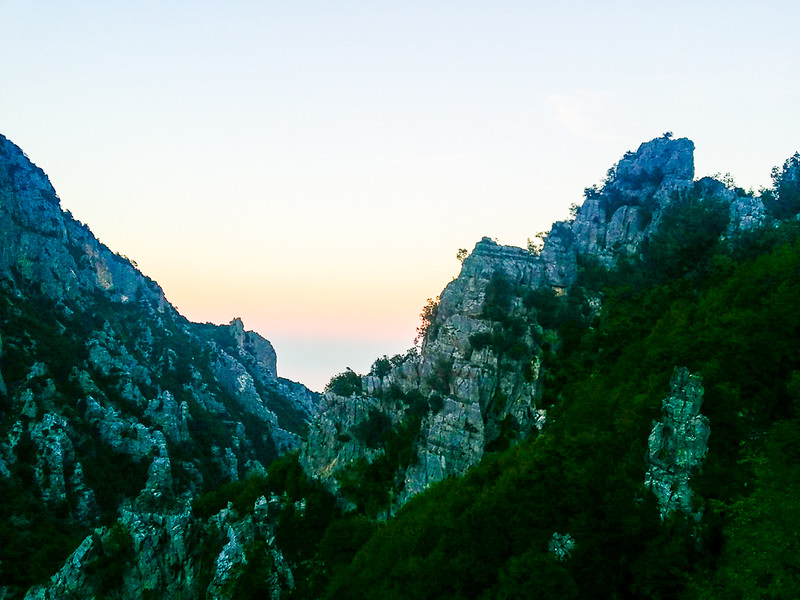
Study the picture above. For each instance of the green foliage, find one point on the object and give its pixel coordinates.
(442, 376)
(381, 367)
(371, 430)
(414, 401)
(343, 539)
(345, 384)
(251, 580)
(480, 340)
(299, 529)
(36, 538)
(592, 193)
(507, 337)
(687, 237)
(761, 554)
(427, 326)
(499, 297)
(112, 476)
(783, 201)
(241, 493)
(373, 486)
(111, 557)
(211, 543)
(548, 305)
(535, 245)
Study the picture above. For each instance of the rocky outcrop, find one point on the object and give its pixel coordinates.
(677, 445)
(172, 553)
(480, 360)
(616, 218)
(472, 385)
(46, 246)
(561, 545)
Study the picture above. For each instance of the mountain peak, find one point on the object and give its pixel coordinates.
(671, 158)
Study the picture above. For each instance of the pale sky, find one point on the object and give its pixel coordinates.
(313, 167)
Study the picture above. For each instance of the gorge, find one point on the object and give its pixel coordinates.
(613, 414)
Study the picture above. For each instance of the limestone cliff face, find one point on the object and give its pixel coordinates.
(468, 387)
(107, 394)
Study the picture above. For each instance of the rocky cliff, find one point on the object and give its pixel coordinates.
(108, 396)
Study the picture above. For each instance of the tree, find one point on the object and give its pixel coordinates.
(427, 317)
(783, 202)
(345, 384)
(535, 245)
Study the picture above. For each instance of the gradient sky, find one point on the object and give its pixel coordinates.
(313, 167)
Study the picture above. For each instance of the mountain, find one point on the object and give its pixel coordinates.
(614, 415)
(477, 382)
(111, 400)
(619, 412)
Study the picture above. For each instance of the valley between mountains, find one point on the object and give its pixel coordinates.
(612, 414)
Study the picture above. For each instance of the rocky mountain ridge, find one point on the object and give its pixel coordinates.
(476, 382)
(109, 397)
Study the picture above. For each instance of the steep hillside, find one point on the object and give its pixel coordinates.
(667, 467)
(652, 344)
(476, 383)
(109, 399)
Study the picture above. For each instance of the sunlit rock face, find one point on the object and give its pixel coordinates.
(677, 445)
(453, 441)
(333, 436)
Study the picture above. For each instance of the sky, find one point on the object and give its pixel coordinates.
(313, 167)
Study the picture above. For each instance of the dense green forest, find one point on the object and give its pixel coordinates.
(726, 310)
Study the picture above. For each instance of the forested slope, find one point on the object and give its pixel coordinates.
(732, 319)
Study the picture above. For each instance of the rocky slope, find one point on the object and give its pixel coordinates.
(475, 384)
(108, 397)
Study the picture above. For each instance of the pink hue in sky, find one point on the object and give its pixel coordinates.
(313, 167)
